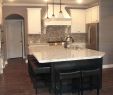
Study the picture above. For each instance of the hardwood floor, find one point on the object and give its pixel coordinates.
(16, 81)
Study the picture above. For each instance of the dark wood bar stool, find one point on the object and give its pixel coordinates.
(38, 74)
(94, 79)
(69, 76)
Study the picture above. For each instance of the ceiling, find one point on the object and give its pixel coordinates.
(0, 1)
(67, 2)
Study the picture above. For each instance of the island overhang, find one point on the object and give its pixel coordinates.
(57, 55)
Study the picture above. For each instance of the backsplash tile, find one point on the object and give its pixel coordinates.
(56, 33)
(79, 37)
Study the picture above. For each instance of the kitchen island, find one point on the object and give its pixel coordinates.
(80, 59)
(57, 53)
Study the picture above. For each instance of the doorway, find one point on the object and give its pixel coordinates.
(14, 37)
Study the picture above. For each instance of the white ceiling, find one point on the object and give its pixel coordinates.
(0, 1)
(70, 2)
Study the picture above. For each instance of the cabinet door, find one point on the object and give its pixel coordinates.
(92, 14)
(95, 14)
(34, 20)
(78, 21)
(88, 15)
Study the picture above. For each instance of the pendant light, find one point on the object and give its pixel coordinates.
(60, 12)
(53, 15)
(79, 1)
(47, 10)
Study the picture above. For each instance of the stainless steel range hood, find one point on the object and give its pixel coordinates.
(58, 20)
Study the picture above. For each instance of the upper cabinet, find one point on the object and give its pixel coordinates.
(92, 14)
(34, 20)
(88, 15)
(78, 21)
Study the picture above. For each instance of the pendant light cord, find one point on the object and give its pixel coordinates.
(60, 7)
(47, 9)
(53, 9)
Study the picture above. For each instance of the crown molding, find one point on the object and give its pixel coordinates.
(17, 4)
(42, 5)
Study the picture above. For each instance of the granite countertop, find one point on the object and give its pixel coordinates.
(55, 54)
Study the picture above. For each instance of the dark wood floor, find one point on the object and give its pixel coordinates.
(16, 81)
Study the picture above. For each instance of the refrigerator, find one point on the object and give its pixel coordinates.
(92, 38)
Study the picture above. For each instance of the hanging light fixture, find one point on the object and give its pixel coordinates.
(79, 1)
(47, 15)
(60, 12)
(53, 15)
(47, 9)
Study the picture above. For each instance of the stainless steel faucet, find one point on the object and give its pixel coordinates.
(68, 41)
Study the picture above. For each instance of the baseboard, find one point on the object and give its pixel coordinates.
(108, 66)
(1, 71)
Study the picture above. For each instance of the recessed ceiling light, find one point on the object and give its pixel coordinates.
(11, 0)
(79, 1)
(46, 0)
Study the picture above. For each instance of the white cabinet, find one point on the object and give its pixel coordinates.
(95, 14)
(78, 21)
(92, 14)
(34, 20)
(88, 15)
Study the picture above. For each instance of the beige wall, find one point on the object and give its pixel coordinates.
(106, 30)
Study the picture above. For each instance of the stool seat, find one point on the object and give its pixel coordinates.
(91, 74)
(69, 76)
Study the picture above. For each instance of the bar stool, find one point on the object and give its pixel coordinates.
(69, 76)
(91, 74)
(38, 73)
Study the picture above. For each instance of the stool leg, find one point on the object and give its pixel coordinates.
(82, 92)
(98, 84)
(97, 91)
(60, 87)
(90, 81)
(81, 85)
(36, 91)
(72, 83)
(78, 91)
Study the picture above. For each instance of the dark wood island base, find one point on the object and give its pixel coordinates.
(69, 64)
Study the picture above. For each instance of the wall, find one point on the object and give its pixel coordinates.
(106, 30)
(8, 10)
(1, 62)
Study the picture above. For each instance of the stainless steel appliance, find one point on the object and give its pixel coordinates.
(92, 39)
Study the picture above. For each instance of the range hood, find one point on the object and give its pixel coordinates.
(57, 20)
